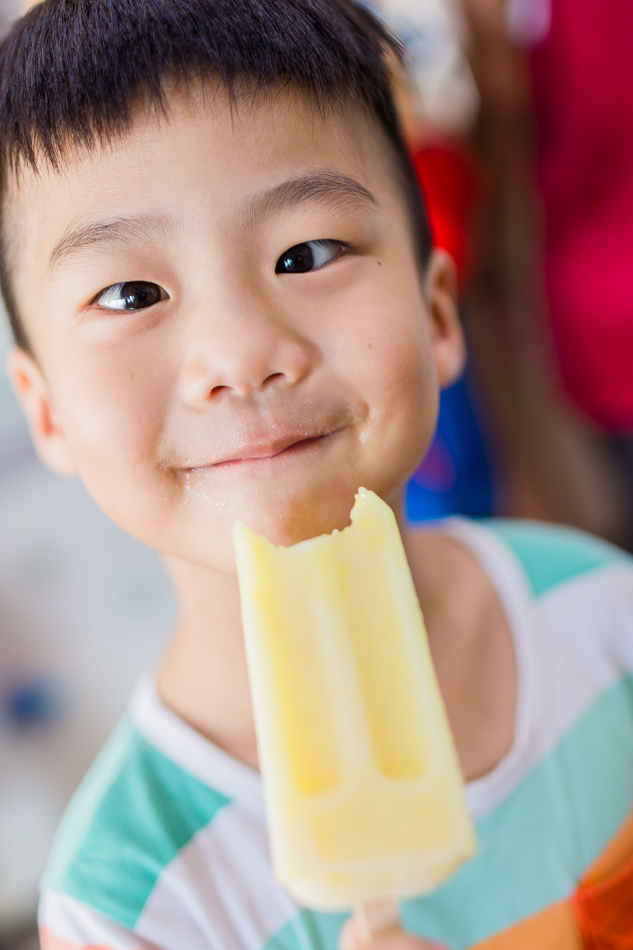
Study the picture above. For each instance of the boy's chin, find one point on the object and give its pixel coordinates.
(287, 523)
(214, 550)
(284, 521)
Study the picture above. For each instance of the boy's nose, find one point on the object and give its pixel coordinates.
(242, 356)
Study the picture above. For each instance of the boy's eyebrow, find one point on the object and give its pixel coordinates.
(117, 231)
(326, 187)
(321, 187)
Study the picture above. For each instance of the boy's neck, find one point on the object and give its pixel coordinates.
(203, 676)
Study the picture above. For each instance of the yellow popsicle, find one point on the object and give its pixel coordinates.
(363, 790)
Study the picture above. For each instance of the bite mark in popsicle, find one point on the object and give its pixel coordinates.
(363, 790)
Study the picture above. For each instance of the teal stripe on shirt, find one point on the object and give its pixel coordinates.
(132, 814)
(308, 931)
(552, 555)
(532, 848)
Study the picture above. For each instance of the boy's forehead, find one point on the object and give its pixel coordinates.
(237, 141)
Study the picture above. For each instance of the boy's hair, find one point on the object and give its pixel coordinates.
(73, 72)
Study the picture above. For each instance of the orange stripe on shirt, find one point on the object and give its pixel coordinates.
(554, 928)
(598, 916)
(50, 942)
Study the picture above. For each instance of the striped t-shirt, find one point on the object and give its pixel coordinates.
(165, 845)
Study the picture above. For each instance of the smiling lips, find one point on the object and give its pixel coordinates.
(259, 435)
(262, 450)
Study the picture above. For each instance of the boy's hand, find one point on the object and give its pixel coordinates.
(353, 937)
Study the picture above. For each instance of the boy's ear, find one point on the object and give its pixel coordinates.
(447, 338)
(34, 396)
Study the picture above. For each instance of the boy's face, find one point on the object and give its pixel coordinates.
(189, 365)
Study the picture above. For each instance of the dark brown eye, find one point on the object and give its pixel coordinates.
(131, 295)
(309, 256)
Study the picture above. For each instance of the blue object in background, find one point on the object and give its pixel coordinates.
(456, 475)
(34, 700)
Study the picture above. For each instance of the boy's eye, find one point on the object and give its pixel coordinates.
(312, 255)
(131, 295)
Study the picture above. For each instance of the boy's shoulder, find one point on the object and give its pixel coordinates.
(568, 601)
(134, 812)
(550, 555)
(163, 844)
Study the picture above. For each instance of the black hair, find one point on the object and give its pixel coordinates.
(73, 73)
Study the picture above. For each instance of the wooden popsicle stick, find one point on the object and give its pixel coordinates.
(377, 916)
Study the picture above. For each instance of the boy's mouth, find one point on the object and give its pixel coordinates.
(262, 450)
(268, 450)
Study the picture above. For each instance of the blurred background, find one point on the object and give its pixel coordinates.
(520, 121)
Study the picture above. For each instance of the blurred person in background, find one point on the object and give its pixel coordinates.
(475, 150)
(550, 306)
(582, 78)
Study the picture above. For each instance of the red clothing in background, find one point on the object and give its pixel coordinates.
(583, 86)
(447, 175)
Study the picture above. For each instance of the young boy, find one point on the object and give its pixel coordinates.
(224, 303)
